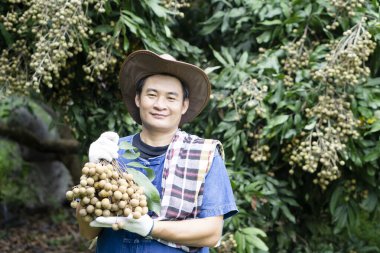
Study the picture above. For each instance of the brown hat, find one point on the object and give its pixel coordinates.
(144, 63)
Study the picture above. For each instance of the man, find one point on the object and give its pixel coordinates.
(161, 94)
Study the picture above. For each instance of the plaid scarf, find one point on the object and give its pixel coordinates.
(187, 162)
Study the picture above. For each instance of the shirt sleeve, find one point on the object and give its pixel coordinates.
(218, 198)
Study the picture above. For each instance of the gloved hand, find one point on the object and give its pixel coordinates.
(105, 147)
(142, 226)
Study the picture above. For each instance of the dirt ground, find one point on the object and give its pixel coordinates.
(43, 232)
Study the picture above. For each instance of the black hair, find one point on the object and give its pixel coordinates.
(141, 82)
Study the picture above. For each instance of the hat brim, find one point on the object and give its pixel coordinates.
(143, 63)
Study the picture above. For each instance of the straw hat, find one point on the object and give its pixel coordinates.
(143, 63)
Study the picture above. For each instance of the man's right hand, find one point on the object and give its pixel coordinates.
(105, 147)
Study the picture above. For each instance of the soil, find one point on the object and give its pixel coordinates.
(43, 231)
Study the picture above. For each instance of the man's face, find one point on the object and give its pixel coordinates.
(161, 103)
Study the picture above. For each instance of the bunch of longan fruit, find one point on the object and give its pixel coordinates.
(106, 190)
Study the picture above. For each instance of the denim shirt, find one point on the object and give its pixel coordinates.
(218, 200)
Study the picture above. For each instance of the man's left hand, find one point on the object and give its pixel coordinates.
(142, 226)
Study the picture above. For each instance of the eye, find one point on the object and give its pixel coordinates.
(151, 95)
(171, 98)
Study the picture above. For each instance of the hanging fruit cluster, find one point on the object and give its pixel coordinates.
(297, 58)
(324, 139)
(105, 190)
(346, 62)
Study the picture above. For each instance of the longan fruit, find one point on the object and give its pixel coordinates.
(120, 224)
(103, 176)
(99, 169)
(108, 186)
(114, 187)
(83, 182)
(98, 212)
(103, 194)
(76, 191)
(74, 204)
(94, 200)
(122, 204)
(106, 213)
(90, 209)
(90, 165)
(129, 177)
(134, 202)
(145, 210)
(135, 196)
(125, 196)
(143, 203)
(102, 183)
(138, 209)
(98, 204)
(130, 191)
(122, 189)
(86, 200)
(127, 211)
(136, 215)
(82, 191)
(88, 218)
(114, 207)
(118, 195)
(92, 171)
(90, 190)
(82, 212)
(85, 170)
(90, 181)
(115, 226)
(69, 195)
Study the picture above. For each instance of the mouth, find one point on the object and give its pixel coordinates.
(158, 115)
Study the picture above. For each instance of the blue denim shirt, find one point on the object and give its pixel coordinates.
(218, 200)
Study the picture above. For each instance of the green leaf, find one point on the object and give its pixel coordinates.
(243, 59)
(240, 241)
(264, 37)
(257, 242)
(156, 8)
(335, 199)
(271, 22)
(7, 37)
(154, 201)
(253, 231)
(286, 212)
(149, 171)
(374, 128)
(231, 116)
(209, 70)
(131, 155)
(126, 145)
(311, 125)
(373, 155)
(219, 57)
(103, 29)
(278, 120)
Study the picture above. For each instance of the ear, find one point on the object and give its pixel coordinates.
(185, 106)
(137, 101)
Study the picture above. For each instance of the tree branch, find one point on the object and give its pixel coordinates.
(27, 138)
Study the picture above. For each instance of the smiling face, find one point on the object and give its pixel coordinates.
(161, 103)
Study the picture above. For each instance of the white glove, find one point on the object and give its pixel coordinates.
(105, 147)
(142, 226)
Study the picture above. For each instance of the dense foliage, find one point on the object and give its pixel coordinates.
(296, 98)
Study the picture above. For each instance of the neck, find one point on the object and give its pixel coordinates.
(156, 138)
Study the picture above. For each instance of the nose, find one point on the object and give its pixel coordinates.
(159, 103)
